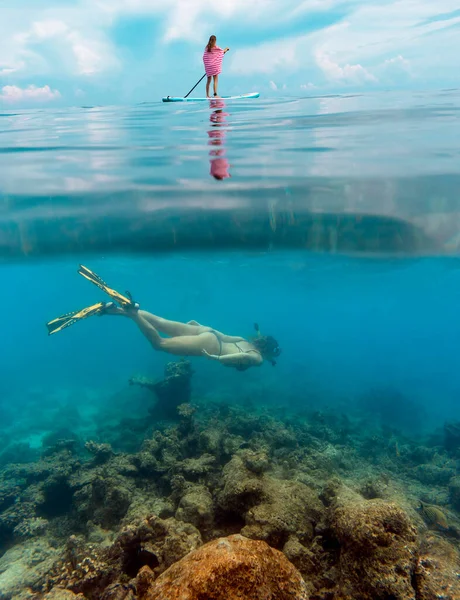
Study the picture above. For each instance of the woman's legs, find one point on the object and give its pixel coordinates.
(208, 83)
(216, 83)
(171, 328)
(182, 345)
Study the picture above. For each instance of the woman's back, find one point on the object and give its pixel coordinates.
(212, 60)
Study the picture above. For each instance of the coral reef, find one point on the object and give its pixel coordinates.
(392, 409)
(378, 547)
(452, 437)
(226, 569)
(350, 511)
(96, 569)
(272, 509)
(173, 390)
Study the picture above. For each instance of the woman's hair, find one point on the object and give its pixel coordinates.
(211, 43)
(267, 346)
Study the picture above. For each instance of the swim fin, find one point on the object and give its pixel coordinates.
(72, 317)
(123, 301)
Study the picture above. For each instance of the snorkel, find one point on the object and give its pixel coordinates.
(266, 345)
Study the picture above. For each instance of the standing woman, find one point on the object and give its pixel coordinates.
(212, 59)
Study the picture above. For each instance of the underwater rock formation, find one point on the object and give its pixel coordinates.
(196, 507)
(106, 524)
(378, 547)
(33, 494)
(437, 571)
(173, 390)
(61, 594)
(226, 569)
(105, 500)
(101, 452)
(91, 569)
(392, 409)
(24, 565)
(272, 509)
(452, 437)
(454, 492)
(433, 474)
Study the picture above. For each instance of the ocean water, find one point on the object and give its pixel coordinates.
(332, 222)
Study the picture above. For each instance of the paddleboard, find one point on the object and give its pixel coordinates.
(182, 99)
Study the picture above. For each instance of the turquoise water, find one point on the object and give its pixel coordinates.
(336, 231)
(332, 222)
(370, 174)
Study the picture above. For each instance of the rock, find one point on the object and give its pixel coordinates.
(171, 392)
(272, 509)
(101, 452)
(24, 565)
(194, 468)
(242, 488)
(433, 475)
(119, 591)
(164, 541)
(288, 507)
(196, 507)
(436, 574)
(302, 558)
(60, 594)
(378, 548)
(454, 492)
(105, 571)
(257, 462)
(229, 568)
(452, 437)
(105, 500)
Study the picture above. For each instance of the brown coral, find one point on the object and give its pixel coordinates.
(60, 594)
(227, 569)
(273, 509)
(378, 551)
(196, 507)
(437, 569)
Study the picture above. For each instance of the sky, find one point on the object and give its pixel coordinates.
(90, 52)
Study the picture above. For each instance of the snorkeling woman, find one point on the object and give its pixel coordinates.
(185, 339)
(212, 59)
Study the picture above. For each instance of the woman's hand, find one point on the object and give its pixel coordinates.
(226, 49)
(211, 356)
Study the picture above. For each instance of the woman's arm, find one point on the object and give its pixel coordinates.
(251, 359)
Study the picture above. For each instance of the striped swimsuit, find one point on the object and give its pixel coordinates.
(213, 61)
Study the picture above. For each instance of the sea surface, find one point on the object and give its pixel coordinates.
(333, 222)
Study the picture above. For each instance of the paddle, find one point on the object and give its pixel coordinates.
(195, 86)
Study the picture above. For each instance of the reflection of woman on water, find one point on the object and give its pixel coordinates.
(212, 59)
(219, 164)
(182, 339)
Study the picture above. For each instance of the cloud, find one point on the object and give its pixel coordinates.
(347, 74)
(267, 58)
(91, 55)
(191, 19)
(384, 43)
(72, 45)
(395, 40)
(48, 29)
(8, 70)
(399, 62)
(308, 86)
(13, 93)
